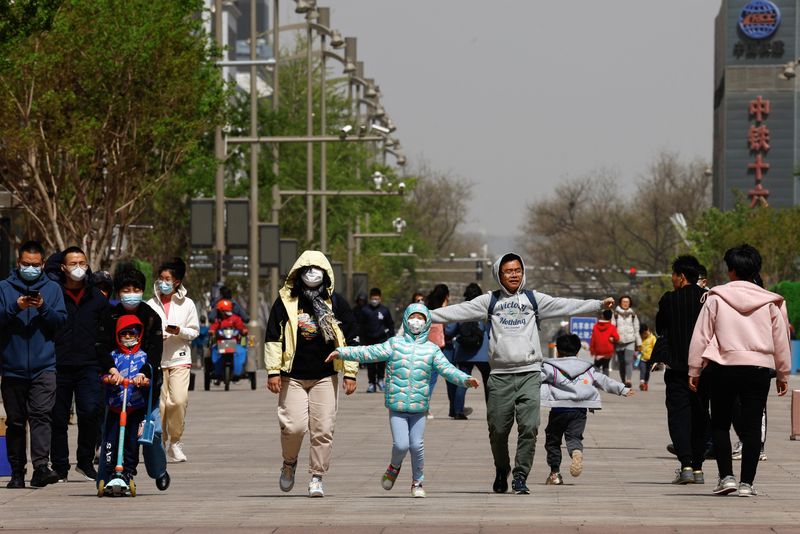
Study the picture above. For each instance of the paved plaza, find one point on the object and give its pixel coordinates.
(231, 478)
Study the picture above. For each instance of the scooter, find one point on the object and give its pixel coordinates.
(117, 486)
(227, 360)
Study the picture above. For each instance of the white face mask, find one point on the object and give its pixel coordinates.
(77, 274)
(312, 277)
(129, 342)
(415, 326)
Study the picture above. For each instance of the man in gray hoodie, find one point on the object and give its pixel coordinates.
(515, 357)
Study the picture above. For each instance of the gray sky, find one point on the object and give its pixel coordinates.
(517, 95)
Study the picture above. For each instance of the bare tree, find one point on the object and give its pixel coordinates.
(588, 233)
(438, 207)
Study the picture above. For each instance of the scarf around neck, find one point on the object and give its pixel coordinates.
(325, 318)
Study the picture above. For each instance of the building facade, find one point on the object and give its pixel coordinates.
(755, 103)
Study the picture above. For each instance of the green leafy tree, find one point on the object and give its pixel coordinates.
(774, 232)
(104, 103)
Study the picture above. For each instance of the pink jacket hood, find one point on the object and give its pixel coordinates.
(745, 297)
(741, 324)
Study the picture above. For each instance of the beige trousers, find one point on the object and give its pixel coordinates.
(308, 405)
(173, 403)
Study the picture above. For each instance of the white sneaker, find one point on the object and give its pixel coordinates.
(315, 487)
(747, 490)
(725, 486)
(176, 452)
(417, 491)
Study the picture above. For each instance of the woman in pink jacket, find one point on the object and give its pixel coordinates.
(740, 341)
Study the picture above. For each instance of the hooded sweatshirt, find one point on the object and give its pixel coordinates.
(27, 337)
(514, 345)
(129, 362)
(283, 325)
(182, 312)
(571, 382)
(411, 360)
(741, 324)
(601, 344)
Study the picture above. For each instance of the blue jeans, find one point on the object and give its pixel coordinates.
(408, 430)
(155, 458)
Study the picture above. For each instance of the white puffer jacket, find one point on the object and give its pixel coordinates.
(183, 314)
(627, 324)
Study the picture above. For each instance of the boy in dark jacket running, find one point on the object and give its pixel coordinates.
(569, 387)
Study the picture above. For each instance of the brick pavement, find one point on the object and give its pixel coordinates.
(230, 481)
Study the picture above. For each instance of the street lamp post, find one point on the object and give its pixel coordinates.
(323, 27)
(309, 130)
(254, 326)
(219, 155)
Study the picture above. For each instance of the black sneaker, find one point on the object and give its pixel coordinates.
(500, 481)
(17, 481)
(519, 486)
(87, 471)
(42, 476)
(162, 482)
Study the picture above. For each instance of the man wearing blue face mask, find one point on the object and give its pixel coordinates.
(130, 283)
(31, 311)
(76, 362)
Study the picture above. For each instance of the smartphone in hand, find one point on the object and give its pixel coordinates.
(32, 294)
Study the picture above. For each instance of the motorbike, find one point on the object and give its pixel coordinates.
(226, 363)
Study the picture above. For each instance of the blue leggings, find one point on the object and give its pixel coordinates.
(408, 430)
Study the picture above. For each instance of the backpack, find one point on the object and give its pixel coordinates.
(493, 302)
(470, 336)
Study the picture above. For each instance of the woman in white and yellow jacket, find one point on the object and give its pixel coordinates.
(181, 325)
(306, 323)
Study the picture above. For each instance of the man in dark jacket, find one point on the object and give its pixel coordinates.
(76, 362)
(376, 327)
(686, 410)
(31, 312)
(130, 283)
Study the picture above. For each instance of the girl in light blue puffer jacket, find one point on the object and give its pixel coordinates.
(411, 359)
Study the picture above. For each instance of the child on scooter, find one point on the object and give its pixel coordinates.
(411, 359)
(130, 362)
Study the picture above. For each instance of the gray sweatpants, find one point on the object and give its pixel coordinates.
(570, 425)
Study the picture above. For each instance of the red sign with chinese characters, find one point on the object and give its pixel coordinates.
(758, 140)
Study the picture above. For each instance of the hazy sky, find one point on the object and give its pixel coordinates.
(517, 95)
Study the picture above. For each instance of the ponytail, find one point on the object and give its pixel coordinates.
(757, 280)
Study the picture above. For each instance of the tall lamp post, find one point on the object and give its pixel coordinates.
(219, 155)
(323, 28)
